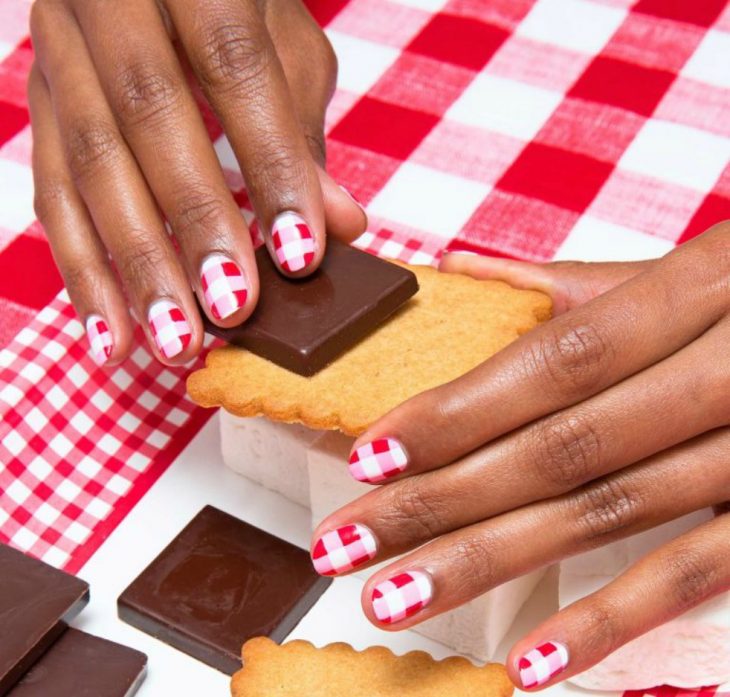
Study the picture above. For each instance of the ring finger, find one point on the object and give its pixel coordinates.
(114, 190)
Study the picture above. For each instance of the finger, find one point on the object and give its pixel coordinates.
(346, 218)
(160, 121)
(664, 585)
(564, 361)
(568, 283)
(77, 249)
(464, 564)
(114, 191)
(237, 65)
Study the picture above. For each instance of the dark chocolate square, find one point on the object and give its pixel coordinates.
(218, 583)
(304, 324)
(36, 602)
(82, 665)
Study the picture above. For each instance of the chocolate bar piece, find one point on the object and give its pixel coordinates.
(218, 583)
(82, 665)
(36, 602)
(304, 324)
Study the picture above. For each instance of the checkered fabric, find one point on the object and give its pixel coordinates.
(378, 460)
(224, 285)
(293, 242)
(343, 549)
(542, 663)
(534, 129)
(401, 596)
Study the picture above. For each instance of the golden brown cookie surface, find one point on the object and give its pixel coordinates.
(451, 325)
(298, 669)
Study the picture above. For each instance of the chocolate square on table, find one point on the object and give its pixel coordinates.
(305, 324)
(218, 583)
(82, 665)
(36, 603)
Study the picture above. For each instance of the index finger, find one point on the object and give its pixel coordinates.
(558, 364)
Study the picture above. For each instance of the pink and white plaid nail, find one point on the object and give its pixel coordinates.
(170, 329)
(100, 338)
(224, 285)
(293, 242)
(542, 663)
(401, 596)
(343, 549)
(378, 460)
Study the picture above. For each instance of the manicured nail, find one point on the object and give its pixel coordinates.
(542, 663)
(401, 596)
(378, 460)
(100, 338)
(343, 549)
(224, 285)
(170, 329)
(293, 242)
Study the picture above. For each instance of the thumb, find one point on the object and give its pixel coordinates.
(568, 283)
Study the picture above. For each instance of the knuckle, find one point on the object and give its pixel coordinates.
(693, 576)
(569, 450)
(605, 508)
(90, 143)
(235, 57)
(281, 170)
(42, 19)
(572, 361)
(143, 92)
(416, 515)
(144, 259)
(476, 559)
(197, 210)
(48, 197)
(603, 630)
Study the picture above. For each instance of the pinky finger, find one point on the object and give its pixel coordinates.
(79, 252)
(662, 586)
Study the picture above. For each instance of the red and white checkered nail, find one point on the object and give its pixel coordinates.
(170, 329)
(224, 285)
(343, 549)
(293, 242)
(378, 460)
(100, 338)
(401, 596)
(542, 663)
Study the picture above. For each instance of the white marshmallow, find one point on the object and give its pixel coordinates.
(271, 454)
(689, 651)
(475, 629)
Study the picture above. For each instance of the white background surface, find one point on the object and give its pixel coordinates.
(199, 477)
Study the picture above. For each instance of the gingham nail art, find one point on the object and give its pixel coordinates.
(293, 242)
(224, 285)
(542, 663)
(343, 549)
(100, 338)
(170, 329)
(378, 460)
(401, 596)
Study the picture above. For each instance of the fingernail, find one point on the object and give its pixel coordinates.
(378, 460)
(293, 242)
(401, 596)
(343, 549)
(100, 338)
(224, 285)
(170, 329)
(542, 663)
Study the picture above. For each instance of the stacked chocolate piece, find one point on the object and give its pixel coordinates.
(39, 654)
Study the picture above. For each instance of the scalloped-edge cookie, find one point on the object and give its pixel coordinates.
(299, 669)
(454, 323)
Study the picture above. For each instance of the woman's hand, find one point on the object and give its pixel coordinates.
(120, 147)
(606, 421)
